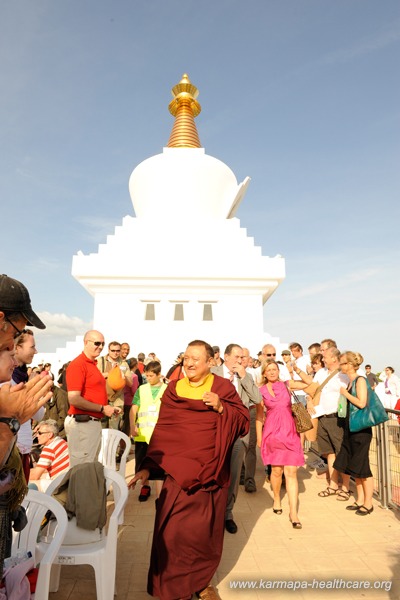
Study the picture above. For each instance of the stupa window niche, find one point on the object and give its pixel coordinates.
(207, 312)
(178, 312)
(150, 314)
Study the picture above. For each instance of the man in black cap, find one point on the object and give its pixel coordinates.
(19, 404)
(15, 311)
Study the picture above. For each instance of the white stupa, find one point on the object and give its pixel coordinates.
(178, 290)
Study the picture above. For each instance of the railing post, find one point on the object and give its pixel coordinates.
(383, 464)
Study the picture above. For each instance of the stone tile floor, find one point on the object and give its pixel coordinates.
(334, 544)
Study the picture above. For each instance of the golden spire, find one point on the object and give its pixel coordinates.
(184, 107)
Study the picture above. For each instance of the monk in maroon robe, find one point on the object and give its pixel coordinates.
(200, 418)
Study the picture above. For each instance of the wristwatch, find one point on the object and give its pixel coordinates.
(12, 422)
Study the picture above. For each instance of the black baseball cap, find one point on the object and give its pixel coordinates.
(15, 297)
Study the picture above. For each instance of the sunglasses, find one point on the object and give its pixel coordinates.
(17, 331)
(97, 344)
(273, 354)
(42, 432)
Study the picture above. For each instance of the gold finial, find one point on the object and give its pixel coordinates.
(184, 107)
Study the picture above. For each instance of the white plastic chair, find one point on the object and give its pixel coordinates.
(101, 554)
(110, 441)
(36, 505)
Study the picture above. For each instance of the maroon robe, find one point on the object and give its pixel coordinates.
(192, 444)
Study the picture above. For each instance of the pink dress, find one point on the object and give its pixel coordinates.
(280, 443)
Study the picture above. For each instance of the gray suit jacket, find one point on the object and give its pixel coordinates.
(247, 389)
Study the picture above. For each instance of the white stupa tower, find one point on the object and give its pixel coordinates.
(183, 268)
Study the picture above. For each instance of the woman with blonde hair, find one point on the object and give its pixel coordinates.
(278, 440)
(353, 457)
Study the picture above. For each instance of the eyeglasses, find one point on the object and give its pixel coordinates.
(17, 331)
(269, 354)
(98, 344)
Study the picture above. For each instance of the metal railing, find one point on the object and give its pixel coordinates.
(384, 458)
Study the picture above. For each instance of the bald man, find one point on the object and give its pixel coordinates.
(87, 395)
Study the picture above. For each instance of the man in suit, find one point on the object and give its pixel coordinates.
(249, 393)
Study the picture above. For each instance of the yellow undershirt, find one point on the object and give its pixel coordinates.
(184, 389)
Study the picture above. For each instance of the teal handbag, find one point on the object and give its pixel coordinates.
(372, 414)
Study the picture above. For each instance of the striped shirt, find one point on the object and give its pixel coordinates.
(54, 457)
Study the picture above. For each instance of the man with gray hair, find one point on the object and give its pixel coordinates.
(268, 354)
(249, 393)
(54, 458)
(330, 425)
(250, 459)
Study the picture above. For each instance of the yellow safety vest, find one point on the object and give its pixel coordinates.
(148, 412)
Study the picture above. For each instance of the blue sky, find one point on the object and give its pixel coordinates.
(301, 95)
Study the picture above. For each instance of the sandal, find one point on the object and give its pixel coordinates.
(343, 496)
(363, 510)
(296, 524)
(328, 492)
(354, 506)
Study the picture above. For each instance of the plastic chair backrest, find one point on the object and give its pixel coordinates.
(110, 441)
(36, 505)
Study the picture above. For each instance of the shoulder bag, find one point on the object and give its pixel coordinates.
(301, 416)
(372, 414)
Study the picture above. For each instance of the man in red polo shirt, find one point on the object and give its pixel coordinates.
(87, 397)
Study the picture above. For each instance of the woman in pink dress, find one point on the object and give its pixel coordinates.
(278, 440)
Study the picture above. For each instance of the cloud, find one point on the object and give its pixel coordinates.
(47, 265)
(60, 328)
(364, 46)
(96, 228)
(337, 284)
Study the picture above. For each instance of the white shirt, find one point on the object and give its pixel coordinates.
(301, 363)
(393, 385)
(331, 391)
(253, 372)
(227, 375)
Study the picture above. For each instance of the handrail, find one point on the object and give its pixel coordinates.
(385, 460)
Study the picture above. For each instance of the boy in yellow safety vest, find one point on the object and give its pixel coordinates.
(143, 417)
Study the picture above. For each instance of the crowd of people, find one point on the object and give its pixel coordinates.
(195, 431)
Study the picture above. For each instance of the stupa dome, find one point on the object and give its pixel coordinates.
(184, 182)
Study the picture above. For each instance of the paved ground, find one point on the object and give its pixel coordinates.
(334, 544)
